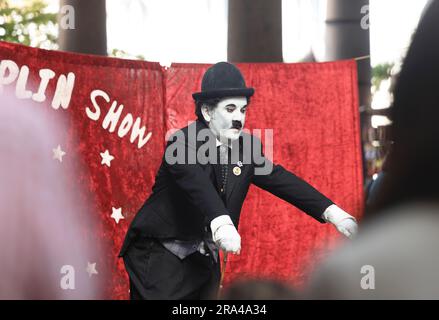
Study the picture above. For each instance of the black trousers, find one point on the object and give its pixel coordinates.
(157, 274)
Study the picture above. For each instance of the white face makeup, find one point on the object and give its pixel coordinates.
(224, 120)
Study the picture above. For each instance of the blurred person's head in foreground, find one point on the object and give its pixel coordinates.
(259, 289)
(40, 232)
(412, 169)
(395, 255)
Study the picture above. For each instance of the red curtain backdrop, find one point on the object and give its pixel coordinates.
(313, 111)
(311, 107)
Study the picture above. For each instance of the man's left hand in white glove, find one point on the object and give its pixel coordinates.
(343, 221)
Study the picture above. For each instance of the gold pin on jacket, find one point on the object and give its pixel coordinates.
(236, 171)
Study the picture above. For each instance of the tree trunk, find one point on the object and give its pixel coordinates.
(255, 31)
(90, 31)
(346, 38)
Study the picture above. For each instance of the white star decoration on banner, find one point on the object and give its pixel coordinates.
(91, 268)
(106, 158)
(58, 153)
(117, 214)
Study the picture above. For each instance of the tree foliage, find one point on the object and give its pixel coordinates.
(381, 72)
(118, 53)
(29, 24)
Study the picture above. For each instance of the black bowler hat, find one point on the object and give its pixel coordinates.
(223, 79)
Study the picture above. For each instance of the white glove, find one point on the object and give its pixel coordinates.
(343, 221)
(225, 234)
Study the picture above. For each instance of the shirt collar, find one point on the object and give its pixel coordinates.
(218, 143)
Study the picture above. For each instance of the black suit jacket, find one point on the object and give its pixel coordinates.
(185, 197)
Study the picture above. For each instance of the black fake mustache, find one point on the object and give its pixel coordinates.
(236, 124)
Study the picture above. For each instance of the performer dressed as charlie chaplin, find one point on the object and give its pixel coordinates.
(171, 250)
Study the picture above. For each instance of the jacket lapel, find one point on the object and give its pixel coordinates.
(235, 171)
(233, 178)
(209, 138)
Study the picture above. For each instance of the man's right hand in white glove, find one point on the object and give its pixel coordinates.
(225, 235)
